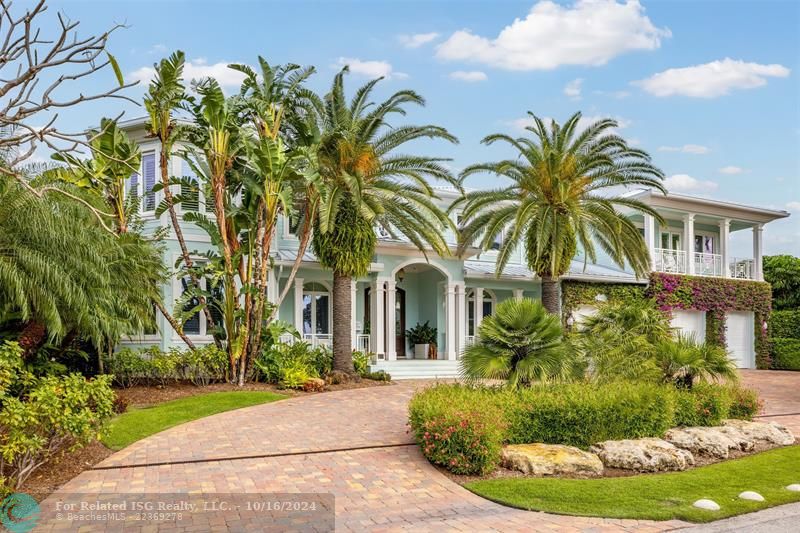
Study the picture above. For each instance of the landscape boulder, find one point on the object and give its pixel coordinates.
(551, 460)
(771, 432)
(712, 441)
(642, 455)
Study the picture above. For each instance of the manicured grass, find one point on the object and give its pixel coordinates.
(657, 496)
(139, 423)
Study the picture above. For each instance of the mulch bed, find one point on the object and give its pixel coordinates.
(66, 465)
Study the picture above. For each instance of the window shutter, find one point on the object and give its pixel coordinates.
(149, 173)
(191, 195)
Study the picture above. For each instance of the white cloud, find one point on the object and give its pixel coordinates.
(793, 206)
(524, 122)
(730, 169)
(371, 69)
(573, 89)
(417, 39)
(710, 80)
(686, 148)
(619, 95)
(196, 69)
(589, 32)
(468, 75)
(686, 183)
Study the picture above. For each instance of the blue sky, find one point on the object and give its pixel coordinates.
(710, 89)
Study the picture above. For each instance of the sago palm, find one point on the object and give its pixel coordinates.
(563, 194)
(367, 184)
(520, 343)
(686, 359)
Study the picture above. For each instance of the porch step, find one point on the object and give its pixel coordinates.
(419, 369)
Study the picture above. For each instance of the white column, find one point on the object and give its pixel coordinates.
(758, 252)
(376, 320)
(688, 245)
(461, 316)
(391, 324)
(478, 303)
(298, 304)
(724, 238)
(353, 314)
(450, 320)
(518, 294)
(650, 238)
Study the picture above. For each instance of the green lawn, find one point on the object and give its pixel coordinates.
(657, 496)
(139, 423)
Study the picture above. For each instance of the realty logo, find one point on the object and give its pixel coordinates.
(19, 512)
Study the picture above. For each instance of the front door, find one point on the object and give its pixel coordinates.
(400, 322)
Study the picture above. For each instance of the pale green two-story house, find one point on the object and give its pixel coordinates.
(404, 288)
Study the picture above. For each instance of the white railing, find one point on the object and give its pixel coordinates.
(362, 343)
(708, 264)
(742, 268)
(672, 261)
(318, 339)
(469, 340)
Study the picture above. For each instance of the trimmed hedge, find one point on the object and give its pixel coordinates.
(785, 354)
(463, 428)
(785, 324)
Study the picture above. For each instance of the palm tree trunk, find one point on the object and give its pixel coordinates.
(174, 323)
(342, 341)
(31, 337)
(176, 227)
(550, 296)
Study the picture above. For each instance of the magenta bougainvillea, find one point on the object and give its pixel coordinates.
(716, 296)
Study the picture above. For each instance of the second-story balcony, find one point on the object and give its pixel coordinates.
(705, 264)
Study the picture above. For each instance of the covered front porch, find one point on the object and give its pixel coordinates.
(391, 301)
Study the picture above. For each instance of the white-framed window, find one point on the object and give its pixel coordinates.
(290, 226)
(197, 325)
(316, 309)
(705, 244)
(487, 308)
(671, 240)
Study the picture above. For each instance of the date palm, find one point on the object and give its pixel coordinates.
(366, 183)
(562, 196)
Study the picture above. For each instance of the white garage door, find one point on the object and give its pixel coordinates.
(739, 335)
(691, 323)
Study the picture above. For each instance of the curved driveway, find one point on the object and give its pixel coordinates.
(353, 444)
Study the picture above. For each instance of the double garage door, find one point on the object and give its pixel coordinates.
(739, 333)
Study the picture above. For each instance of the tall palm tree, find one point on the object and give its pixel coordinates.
(563, 194)
(367, 184)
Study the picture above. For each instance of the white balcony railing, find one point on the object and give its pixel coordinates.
(362, 343)
(742, 268)
(318, 339)
(672, 261)
(708, 265)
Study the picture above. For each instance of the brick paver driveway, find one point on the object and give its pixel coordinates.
(353, 444)
(780, 390)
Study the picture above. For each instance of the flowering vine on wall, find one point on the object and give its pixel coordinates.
(716, 296)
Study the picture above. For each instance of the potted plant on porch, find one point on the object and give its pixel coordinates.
(423, 337)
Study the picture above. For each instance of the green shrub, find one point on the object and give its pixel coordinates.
(42, 416)
(703, 405)
(581, 415)
(128, 367)
(380, 375)
(321, 358)
(204, 365)
(785, 353)
(290, 365)
(785, 324)
(361, 362)
(745, 403)
(459, 428)
(294, 374)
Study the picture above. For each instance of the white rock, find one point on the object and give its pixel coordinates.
(750, 495)
(768, 431)
(702, 440)
(643, 455)
(708, 505)
(794, 487)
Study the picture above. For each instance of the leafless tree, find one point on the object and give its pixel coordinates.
(37, 81)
